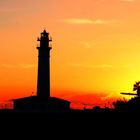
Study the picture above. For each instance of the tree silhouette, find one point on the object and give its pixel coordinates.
(136, 87)
(120, 104)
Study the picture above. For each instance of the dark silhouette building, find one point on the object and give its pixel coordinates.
(43, 83)
(43, 101)
(38, 103)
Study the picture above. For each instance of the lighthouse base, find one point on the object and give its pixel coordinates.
(41, 104)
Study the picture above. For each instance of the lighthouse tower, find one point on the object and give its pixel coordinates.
(43, 101)
(43, 79)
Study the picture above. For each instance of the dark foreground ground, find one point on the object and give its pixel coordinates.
(72, 118)
(69, 125)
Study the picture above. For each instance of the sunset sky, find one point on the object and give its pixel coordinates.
(95, 50)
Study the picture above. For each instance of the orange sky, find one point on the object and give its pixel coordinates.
(96, 47)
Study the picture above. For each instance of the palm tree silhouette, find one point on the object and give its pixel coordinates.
(136, 87)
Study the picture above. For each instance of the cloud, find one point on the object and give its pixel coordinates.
(100, 66)
(23, 66)
(90, 65)
(7, 66)
(27, 66)
(128, 0)
(86, 44)
(85, 21)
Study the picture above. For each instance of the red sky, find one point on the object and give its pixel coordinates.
(96, 46)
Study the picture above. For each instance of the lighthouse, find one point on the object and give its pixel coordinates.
(43, 79)
(42, 101)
